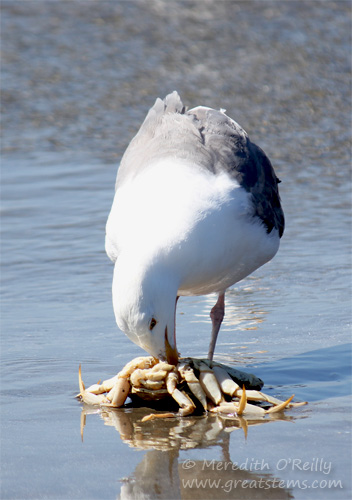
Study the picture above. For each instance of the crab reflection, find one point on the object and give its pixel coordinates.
(162, 474)
(170, 433)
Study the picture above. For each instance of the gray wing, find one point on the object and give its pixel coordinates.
(212, 140)
(167, 131)
(234, 152)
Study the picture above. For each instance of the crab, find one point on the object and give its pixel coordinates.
(192, 383)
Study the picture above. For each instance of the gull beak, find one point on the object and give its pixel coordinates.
(171, 352)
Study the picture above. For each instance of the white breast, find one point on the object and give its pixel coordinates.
(199, 225)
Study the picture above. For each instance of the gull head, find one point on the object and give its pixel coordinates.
(144, 307)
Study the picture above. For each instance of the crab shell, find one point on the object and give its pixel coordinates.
(215, 387)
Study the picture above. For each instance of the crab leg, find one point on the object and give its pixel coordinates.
(247, 410)
(154, 416)
(187, 405)
(260, 396)
(209, 383)
(240, 377)
(150, 379)
(193, 383)
(105, 386)
(275, 409)
(88, 397)
(162, 365)
(232, 408)
(140, 362)
(119, 392)
(227, 384)
(243, 402)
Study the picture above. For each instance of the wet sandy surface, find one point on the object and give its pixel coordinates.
(77, 79)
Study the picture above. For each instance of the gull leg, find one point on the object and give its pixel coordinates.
(217, 315)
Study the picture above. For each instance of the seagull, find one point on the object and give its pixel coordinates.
(196, 209)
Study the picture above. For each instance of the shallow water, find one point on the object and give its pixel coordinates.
(75, 89)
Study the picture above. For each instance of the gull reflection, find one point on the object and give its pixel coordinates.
(164, 476)
(161, 474)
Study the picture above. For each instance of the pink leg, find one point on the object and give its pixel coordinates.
(217, 315)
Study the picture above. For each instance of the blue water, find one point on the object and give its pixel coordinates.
(75, 90)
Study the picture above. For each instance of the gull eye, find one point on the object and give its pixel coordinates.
(152, 323)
